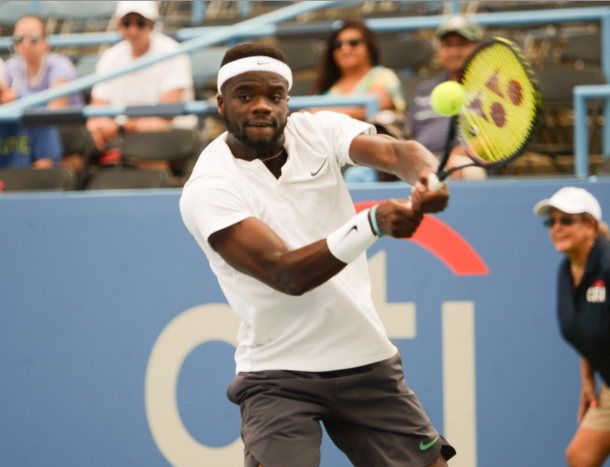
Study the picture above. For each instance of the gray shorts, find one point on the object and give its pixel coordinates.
(368, 412)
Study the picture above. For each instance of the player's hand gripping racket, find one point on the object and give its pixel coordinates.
(496, 114)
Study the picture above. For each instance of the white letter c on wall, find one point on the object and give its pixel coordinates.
(186, 331)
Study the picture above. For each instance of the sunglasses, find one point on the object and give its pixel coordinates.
(550, 222)
(19, 38)
(337, 44)
(141, 24)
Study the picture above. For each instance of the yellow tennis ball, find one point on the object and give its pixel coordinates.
(447, 98)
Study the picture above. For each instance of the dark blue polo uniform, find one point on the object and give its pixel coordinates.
(584, 312)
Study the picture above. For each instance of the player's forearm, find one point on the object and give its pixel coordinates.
(302, 270)
(253, 249)
(409, 159)
(405, 159)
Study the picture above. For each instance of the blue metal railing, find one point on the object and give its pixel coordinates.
(370, 102)
(13, 110)
(266, 25)
(197, 12)
(581, 135)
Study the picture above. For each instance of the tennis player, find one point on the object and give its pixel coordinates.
(267, 204)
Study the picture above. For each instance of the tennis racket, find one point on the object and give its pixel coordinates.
(500, 112)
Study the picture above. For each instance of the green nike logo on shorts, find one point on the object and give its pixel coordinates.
(423, 446)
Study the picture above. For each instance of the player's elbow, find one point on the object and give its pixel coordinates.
(291, 288)
(288, 284)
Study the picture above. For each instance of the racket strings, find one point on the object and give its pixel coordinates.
(503, 126)
(501, 104)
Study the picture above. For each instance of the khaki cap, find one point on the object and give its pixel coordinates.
(461, 25)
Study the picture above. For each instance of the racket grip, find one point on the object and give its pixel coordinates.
(434, 184)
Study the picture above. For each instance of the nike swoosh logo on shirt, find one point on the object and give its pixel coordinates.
(262, 63)
(348, 232)
(313, 174)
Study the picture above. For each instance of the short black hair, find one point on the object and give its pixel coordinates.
(252, 50)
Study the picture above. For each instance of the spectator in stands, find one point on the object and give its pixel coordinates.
(3, 83)
(38, 147)
(34, 68)
(351, 67)
(392, 124)
(164, 82)
(457, 39)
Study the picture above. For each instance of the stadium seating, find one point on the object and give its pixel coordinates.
(565, 55)
(28, 179)
(555, 135)
(128, 179)
(77, 140)
(83, 10)
(584, 48)
(180, 147)
(411, 54)
(10, 12)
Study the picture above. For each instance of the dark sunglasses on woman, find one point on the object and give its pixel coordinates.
(337, 44)
(550, 222)
(141, 24)
(18, 38)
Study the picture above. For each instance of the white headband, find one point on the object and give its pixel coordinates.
(259, 63)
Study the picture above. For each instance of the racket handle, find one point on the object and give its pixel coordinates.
(434, 184)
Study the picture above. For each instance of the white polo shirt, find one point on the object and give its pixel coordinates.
(334, 326)
(147, 85)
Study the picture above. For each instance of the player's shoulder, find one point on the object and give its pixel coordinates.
(309, 128)
(324, 117)
(215, 161)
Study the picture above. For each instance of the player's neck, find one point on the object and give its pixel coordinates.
(273, 158)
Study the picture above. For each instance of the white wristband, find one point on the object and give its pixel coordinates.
(348, 242)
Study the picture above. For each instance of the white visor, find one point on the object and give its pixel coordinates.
(570, 200)
(259, 63)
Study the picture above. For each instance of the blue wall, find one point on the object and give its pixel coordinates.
(89, 281)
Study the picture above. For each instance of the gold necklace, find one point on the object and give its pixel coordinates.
(272, 157)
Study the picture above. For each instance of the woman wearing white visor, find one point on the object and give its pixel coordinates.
(574, 218)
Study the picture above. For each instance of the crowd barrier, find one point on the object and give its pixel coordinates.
(116, 342)
(74, 115)
(267, 25)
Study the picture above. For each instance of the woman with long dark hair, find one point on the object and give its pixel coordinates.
(351, 66)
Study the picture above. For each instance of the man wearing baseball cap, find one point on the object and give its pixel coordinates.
(583, 308)
(163, 82)
(457, 39)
